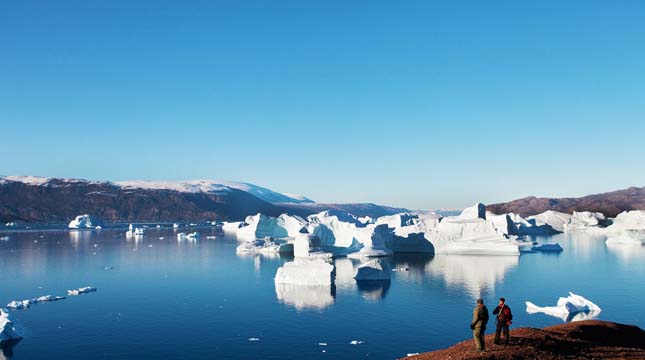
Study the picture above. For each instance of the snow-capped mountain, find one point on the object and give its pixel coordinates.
(45, 199)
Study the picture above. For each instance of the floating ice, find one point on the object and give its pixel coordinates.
(260, 226)
(175, 226)
(265, 246)
(83, 290)
(305, 272)
(23, 304)
(376, 269)
(628, 228)
(134, 232)
(7, 330)
(557, 220)
(584, 220)
(572, 308)
(4, 238)
(356, 342)
(190, 236)
(81, 222)
(308, 246)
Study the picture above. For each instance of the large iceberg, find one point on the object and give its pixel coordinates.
(308, 246)
(7, 330)
(471, 237)
(260, 226)
(376, 269)
(81, 222)
(266, 246)
(554, 219)
(572, 308)
(628, 228)
(584, 220)
(305, 272)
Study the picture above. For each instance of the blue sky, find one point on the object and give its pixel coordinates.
(420, 104)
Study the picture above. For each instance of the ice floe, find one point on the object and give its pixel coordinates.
(265, 246)
(585, 220)
(23, 304)
(572, 308)
(190, 236)
(134, 232)
(82, 290)
(81, 222)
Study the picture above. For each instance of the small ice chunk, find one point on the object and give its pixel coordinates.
(254, 339)
(81, 222)
(83, 290)
(356, 342)
(19, 304)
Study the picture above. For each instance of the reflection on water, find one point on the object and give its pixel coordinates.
(374, 290)
(6, 348)
(627, 253)
(473, 273)
(304, 297)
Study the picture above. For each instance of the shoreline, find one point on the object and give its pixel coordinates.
(584, 339)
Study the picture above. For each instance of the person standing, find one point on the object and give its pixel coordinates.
(504, 316)
(478, 325)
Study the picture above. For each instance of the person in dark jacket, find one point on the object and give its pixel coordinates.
(478, 324)
(504, 316)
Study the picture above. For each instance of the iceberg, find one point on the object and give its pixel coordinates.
(190, 236)
(555, 219)
(374, 245)
(308, 246)
(265, 246)
(477, 211)
(81, 222)
(471, 237)
(376, 269)
(134, 232)
(628, 228)
(572, 308)
(231, 227)
(259, 226)
(79, 291)
(584, 220)
(305, 272)
(8, 331)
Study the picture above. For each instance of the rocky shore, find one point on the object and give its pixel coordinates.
(591, 339)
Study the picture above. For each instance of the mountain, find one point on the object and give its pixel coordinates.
(56, 200)
(610, 203)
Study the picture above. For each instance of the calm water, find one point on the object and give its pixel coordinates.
(168, 300)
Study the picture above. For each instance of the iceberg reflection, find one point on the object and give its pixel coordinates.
(472, 273)
(373, 290)
(306, 297)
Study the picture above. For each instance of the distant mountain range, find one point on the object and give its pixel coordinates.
(609, 203)
(56, 200)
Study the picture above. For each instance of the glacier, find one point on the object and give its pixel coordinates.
(572, 308)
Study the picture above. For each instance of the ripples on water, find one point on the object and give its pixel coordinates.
(163, 299)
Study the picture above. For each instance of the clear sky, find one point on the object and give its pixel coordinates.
(421, 104)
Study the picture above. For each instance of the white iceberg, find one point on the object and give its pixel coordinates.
(260, 226)
(628, 228)
(190, 236)
(477, 211)
(374, 244)
(7, 329)
(134, 232)
(470, 237)
(79, 291)
(584, 220)
(266, 246)
(81, 222)
(555, 219)
(572, 308)
(308, 246)
(305, 272)
(376, 269)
